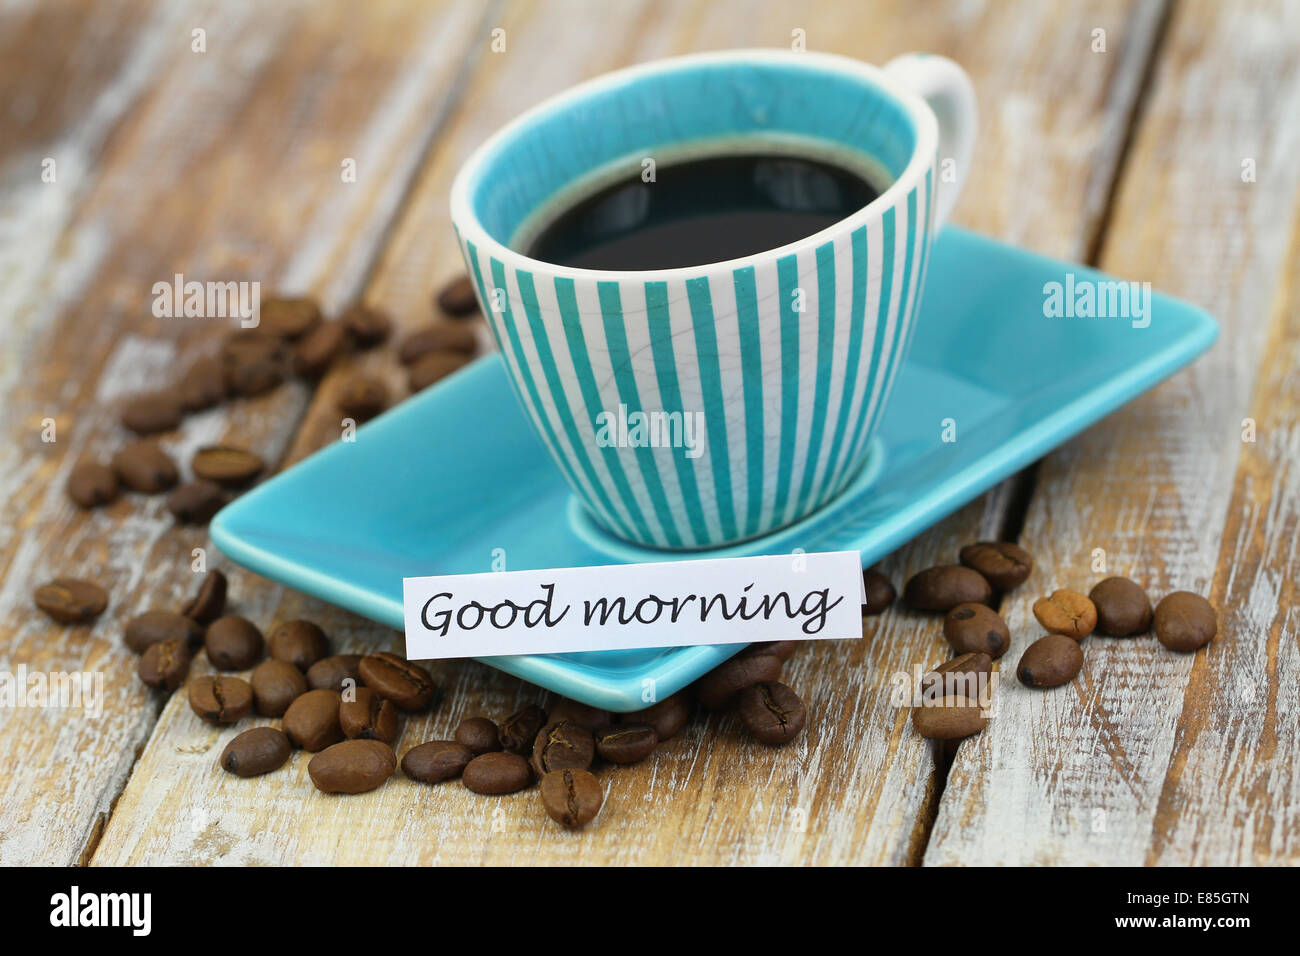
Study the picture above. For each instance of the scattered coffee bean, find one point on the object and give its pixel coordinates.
(232, 467)
(518, 731)
(409, 686)
(233, 643)
(456, 298)
(353, 766)
(144, 467)
(367, 716)
(91, 484)
(943, 588)
(302, 644)
(772, 713)
(442, 337)
(203, 385)
(563, 745)
(1185, 621)
(432, 368)
(667, 717)
(584, 715)
(367, 326)
(781, 650)
(1050, 661)
(626, 743)
(880, 592)
(276, 685)
(312, 720)
(165, 664)
(221, 700)
(288, 318)
(195, 502)
(571, 798)
(206, 606)
(1123, 608)
(71, 600)
(1066, 612)
(952, 718)
(1003, 564)
(318, 349)
(334, 673)
(495, 773)
(976, 627)
(436, 761)
(255, 752)
(153, 627)
(153, 412)
(362, 397)
(478, 734)
(252, 362)
(962, 676)
(717, 689)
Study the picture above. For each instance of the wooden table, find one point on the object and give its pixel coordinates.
(1156, 140)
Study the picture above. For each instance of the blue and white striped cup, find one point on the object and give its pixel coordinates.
(757, 382)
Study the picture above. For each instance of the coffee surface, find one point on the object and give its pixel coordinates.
(700, 211)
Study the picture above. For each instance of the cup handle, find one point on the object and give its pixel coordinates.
(947, 89)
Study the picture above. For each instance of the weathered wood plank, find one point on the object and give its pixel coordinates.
(1151, 756)
(221, 165)
(859, 786)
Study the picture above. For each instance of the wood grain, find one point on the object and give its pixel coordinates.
(859, 786)
(1151, 756)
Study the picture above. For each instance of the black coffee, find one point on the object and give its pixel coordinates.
(702, 210)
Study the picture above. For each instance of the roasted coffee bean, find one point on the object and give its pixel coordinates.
(626, 743)
(1123, 608)
(976, 627)
(153, 412)
(362, 397)
(781, 650)
(367, 716)
(1050, 661)
(442, 337)
(433, 368)
(943, 588)
(563, 745)
(409, 686)
(1185, 621)
(312, 720)
(880, 592)
(571, 798)
(276, 685)
(478, 734)
(302, 644)
(153, 627)
(144, 467)
(221, 700)
(498, 772)
(717, 689)
(203, 385)
(771, 712)
(667, 717)
(195, 502)
(252, 362)
(1066, 612)
(233, 643)
(92, 484)
(456, 298)
(232, 467)
(1003, 564)
(334, 673)
(255, 752)
(288, 318)
(165, 665)
(366, 325)
(518, 731)
(318, 349)
(353, 766)
(71, 600)
(951, 718)
(963, 676)
(206, 606)
(584, 715)
(436, 761)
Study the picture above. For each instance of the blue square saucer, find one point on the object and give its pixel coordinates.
(440, 482)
